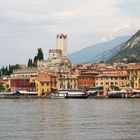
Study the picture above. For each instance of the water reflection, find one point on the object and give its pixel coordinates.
(42, 119)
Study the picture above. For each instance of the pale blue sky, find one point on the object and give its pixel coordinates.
(26, 25)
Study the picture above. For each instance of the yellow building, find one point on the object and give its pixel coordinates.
(43, 84)
(66, 81)
(134, 76)
(110, 78)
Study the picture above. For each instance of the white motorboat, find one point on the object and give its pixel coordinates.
(57, 96)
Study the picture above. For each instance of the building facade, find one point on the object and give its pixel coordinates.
(44, 83)
(134, 76)
(67, 81)
(21, 83)
(86, 79)
(111, 78)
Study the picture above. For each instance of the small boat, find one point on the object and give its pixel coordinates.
(96, 94)
(118, 94)
(26, 93)
(57, 96)
(18, 94)
(76, 95)
(135, 94)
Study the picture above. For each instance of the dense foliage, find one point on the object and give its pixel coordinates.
(39, 56)
(1, 87)
(9, 69)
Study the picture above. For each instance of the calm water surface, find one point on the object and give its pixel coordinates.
(85, 119)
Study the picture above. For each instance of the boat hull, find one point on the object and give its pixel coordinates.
(57, 97)
(76, 97)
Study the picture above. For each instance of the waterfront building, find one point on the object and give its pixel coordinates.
(45, 83)
(86, 79)
(112, 77)
(42, 86)
(21, 83)
(134, 76)
(25, 72)
(23, 79)
(66, 81)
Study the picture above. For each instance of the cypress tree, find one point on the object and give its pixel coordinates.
(40, 55)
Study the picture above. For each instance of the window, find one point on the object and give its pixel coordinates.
(42, 90)
(116, 83)
(107, 83)
(112, 83)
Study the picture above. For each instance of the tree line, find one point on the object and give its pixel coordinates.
(9, 69)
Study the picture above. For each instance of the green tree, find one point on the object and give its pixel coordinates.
(30, 63)
(2, 87)
(7, 87)
(9, 70)
(35, 61)
(40, 55)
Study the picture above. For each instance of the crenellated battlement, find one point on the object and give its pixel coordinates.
(58, 59)
(61, 36)
(55, 51)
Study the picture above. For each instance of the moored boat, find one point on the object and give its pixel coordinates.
(76, 95)
(57, 96)
(118, 94)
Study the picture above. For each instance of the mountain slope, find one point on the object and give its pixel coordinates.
(130, 51)
(89, 54)
(105, 56)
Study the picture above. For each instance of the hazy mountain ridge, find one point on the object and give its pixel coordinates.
(96, 52)
(130, 51)
(106, 55)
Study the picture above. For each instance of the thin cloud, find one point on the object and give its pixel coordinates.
(29, 24)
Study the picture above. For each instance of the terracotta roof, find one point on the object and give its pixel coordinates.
(43, 77)
(112, 75)
(2, 81)
(135, 67)
(16, 78)
(25, 70)
(111, 69)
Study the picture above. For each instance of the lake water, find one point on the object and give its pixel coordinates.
(73, 119)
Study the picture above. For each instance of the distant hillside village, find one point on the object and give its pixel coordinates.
(57, 72)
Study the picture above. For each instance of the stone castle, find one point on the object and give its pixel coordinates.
(58, 60)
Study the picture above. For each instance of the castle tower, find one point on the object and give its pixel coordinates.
(61, 40)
